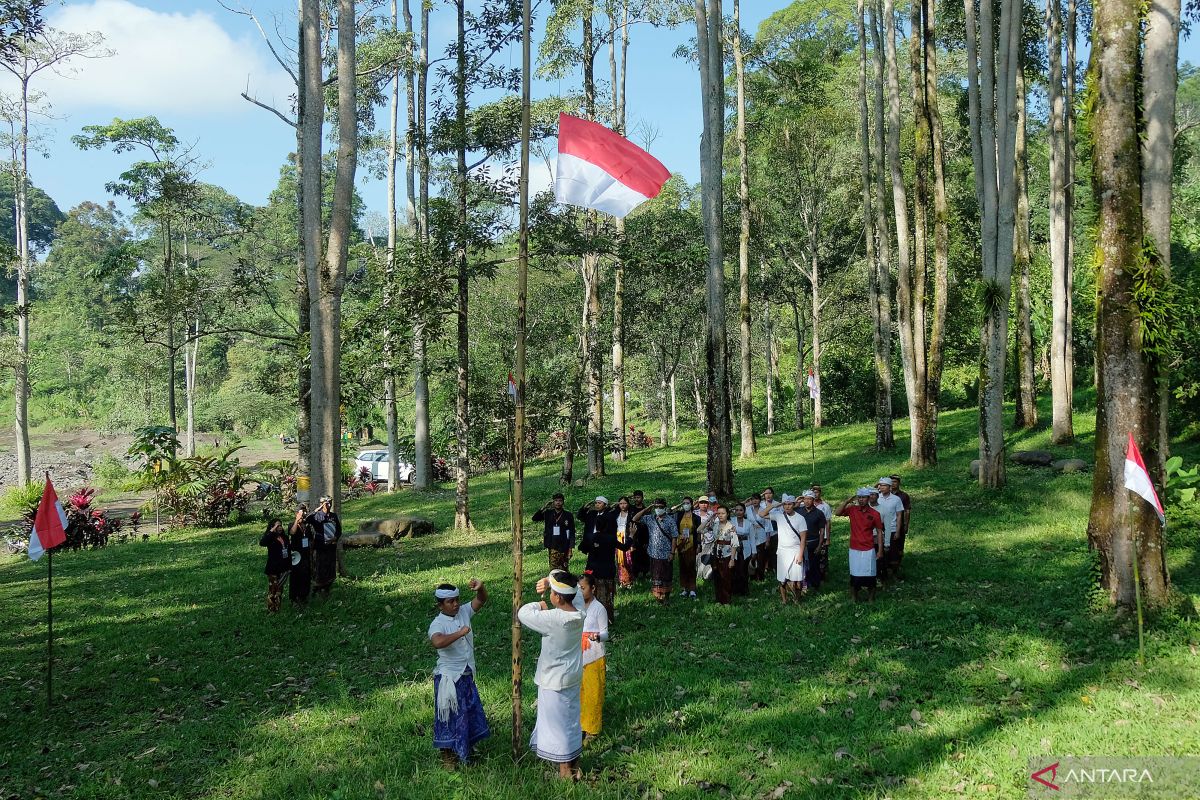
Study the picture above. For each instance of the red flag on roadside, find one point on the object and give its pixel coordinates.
(50, 524)
(1137, 479)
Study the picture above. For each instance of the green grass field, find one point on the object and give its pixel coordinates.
(172, 681)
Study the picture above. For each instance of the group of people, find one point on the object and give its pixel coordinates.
(727, 543)
(304, 556)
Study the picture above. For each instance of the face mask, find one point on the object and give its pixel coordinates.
(660, 512)
(687, 506)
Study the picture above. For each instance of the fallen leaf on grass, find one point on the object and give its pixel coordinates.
(778, 792)
(916, 715)
(841, 753)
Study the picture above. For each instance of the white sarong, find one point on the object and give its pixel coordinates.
(786, 568)
(862, 563)
(557, 736)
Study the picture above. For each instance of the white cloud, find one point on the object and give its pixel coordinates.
(164, 62)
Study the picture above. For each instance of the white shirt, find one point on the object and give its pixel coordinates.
(889, 507)
(560, 664)
(753, 532)
(595, 620)
(790, 529)
(775, 507)
(827, 510)
(452, 660)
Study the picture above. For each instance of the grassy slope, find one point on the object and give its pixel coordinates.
(175, 683)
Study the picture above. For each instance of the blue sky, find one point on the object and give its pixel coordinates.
(186, 61)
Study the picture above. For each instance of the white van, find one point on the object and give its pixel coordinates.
(376, 463)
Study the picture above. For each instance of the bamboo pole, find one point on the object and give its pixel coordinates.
(519, 417)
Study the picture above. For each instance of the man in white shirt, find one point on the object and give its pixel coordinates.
(459, 722)
(557, 736)
(890, 507)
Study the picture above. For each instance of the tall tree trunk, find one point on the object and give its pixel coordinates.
(462, 419)
(801, 389)
(992, 91)
(1122, 527)
(172, 347)
(1026, 414)
(882, 269)
(422, 448)
(712, 145)
(618, 333)
(191, 352)
(941, 246)
(576, 408)
(746, 406)
(772, 365)
(664, 410)
(900, 211)
(389, 373)
(818, 419)
(917, 280)
(1069, 159)
(326, 294)
(1061, 379)
(884, 437)
(674, 412)
(21, 371)
(309, 435)
(1159, 83)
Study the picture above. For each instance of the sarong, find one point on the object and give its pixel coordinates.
(604, 589)
(687, 569)
(274, 592)
(862, 568)
(660, 578)
(760, 562)
(641, 552)
(325, 570)
(592, 697)
(466, 726)
(557, 736)
(814, 572)
(741, 574)
(722, 579)
(625, 568)
(786, 568)
(300, 584)
(559, 560)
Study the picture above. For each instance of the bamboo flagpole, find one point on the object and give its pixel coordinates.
(519, 417)
(1137, 480)
(49, 531)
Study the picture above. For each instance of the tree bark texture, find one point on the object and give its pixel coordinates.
(1122, 526)
(1026, 412)
(746, 403)
(389, 369)
(422, 448)
(1062, 429)
(462, 419)
(591, 278)
(312, 120)
(617, 66)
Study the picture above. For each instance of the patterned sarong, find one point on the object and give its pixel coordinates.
(466, 726)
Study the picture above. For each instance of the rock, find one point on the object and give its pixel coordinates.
(81, 452)
(1071, 465)
(579, 483)
(366, 540)
(401, 527)
(1033, 458)
(975, 469)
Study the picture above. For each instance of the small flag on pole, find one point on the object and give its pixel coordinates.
(602, 170)
(49, 525)
(814, 389)
(512, 387)
(1137, 479)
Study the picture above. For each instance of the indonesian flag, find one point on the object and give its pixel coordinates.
(600, 169)
(1137, 479)
(512, 387)
(814, 389)
(49, 525)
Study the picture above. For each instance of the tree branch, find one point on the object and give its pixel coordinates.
(272, 109)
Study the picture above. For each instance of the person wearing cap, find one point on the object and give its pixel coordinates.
(890, 508)
(789, 553)
(326, 528)
(660, 545)
(601, 545)
(300, 584)
(557, 735)
(595, 643)
(558, 536)
(902, 526)
(279, 562)
(719, 544)
(687, 523)
(459, 722)
(639, 554)
(866, 541)
(815, 520)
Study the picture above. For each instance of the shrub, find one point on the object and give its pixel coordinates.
(21, 501)
(111, 473)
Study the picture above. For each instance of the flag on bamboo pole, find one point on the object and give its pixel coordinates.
(814, 389)
(1137, 479)
(600, 169)
(49, 525)
(512, 387)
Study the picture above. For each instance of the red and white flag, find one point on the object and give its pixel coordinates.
(1137, 479)
(49, 525)
(512, 387)
(814, 388)
(603, 170)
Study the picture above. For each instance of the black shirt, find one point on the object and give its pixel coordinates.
(279, 560)
(815, 519)
(564, 520)
(600, 542)
(320, 537)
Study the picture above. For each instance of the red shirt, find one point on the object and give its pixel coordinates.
(863, 522)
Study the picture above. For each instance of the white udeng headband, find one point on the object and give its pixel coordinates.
(560, 587)
(445, 594)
